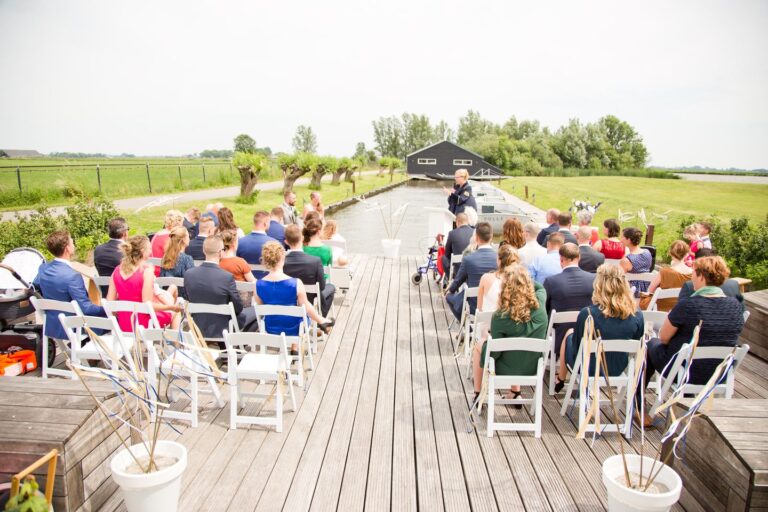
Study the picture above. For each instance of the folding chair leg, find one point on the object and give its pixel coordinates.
(491, 409)
(45, 356)
(215, 391)
(539, 398)
(290, 390)
(278, 410)
(233, 395)
(552, 369)
(568, 395)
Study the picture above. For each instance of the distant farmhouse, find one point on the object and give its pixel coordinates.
(19, 153)
(441, 160)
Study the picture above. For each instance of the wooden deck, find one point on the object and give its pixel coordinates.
(382, 425)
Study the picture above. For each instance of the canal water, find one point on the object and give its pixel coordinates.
(363, 226)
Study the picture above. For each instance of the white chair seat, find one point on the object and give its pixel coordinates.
(92, 351)
(258, 365)
(186, 360)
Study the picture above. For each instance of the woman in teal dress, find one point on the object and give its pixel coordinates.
(521, 314)
(314, 245)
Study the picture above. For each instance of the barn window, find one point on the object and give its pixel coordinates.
(427, 161)
(462, 162)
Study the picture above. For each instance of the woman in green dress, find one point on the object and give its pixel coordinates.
(521, 314)
(314, 245)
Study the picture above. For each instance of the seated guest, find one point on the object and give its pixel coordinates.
(611, 246)
(531, 250)
(721, 320)
(585, 220)
(673, 276)
(490, 283)
(249, 247)
(512, 234)
(276, 229)
(307, 268)
(191, 218)
(212, 212)
(57, 280)
(175, 261)
(471, 216)
(210, 284)
(589, 259)
(330, 232)
(549, 264)
(520, 314)
(730, 287)
(205, 228)
(471, 270)
(290, 215)
(134, 281)
(227, 222)
(571, 290)
(277, 288)
(314, 245)
(108, 255)
(173, 219)
(315, 204)
(238, 267)
(552, 215)
(637, 260)
(615, 318)
(564, 228)
(691, 233)
(458, 239)
(705, 228)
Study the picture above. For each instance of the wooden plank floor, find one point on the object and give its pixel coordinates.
(382, 425)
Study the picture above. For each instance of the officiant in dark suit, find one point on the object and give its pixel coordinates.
(461, 196)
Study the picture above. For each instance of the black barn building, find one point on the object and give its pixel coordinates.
(442, 159)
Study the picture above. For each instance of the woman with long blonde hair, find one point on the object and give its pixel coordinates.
(521, 313)
(615, 317)
(175, 261)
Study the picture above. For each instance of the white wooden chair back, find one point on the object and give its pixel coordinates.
(245, 286)
(113, 307)
(455, 260)
(111, 336)
(164, 282)
(228, 310)
(641, 276)
(555, 318)
(612, 261)
(41, 307)
(656, 319)
(339, 244)
(265, 310)
(258, 268)
(663, 293)
(155, 261)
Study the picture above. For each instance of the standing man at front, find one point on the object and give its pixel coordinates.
(290, 216)
(461, 196)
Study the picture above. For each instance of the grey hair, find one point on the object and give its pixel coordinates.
(471, 215)
(585, 217)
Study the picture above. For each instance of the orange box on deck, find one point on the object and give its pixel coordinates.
(17, 363)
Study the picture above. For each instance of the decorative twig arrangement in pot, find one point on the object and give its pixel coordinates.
(392, 221)
(147, 469)
(644, 482)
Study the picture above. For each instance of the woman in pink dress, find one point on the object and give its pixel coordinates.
(134, 280)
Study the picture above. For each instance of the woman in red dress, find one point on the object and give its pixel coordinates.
(610, 246)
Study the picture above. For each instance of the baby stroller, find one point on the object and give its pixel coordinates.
(434, 262)
(17, 271)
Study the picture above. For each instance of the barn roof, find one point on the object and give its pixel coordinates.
(17, 153)
(449, 142)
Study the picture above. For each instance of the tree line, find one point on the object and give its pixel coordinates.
(519, 146)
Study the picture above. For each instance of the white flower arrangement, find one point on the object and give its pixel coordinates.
(585, 205)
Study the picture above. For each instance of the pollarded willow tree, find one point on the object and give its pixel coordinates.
(391, 163)
(343, 165)
(249, 165)
(294, 167)
(325, 165)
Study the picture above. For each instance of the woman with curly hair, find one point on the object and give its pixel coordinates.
(521, 314)
(512, 234)
(614, 312)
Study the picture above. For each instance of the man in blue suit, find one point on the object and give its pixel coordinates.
(276, 229)
(472, 268)
(249, 247)
(57, 280)
(458, 240)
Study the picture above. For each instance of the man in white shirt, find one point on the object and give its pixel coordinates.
(531, 250)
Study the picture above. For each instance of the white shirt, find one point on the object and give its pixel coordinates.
(530, 251)
(63, 261)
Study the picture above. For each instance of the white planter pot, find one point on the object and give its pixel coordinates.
(624, 499)
(391, 247)
(155, 491)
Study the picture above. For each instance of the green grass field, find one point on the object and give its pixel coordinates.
(120, 177)
(673, 199)
(151, 220)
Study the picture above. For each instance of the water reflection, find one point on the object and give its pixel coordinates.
(364, 229)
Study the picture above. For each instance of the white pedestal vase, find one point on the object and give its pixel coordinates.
(623, 499)
(150, 492)
(391, 247)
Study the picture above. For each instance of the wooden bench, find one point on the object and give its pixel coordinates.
(756, 327)
(724, 463)
(37, 415)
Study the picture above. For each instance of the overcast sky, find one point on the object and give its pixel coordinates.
(177, 77)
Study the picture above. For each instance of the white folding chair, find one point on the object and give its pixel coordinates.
(172, 354)
(339, 244)
(482, 320)
(467, 318)
(114, 307)
(261, 366)
(503, 382)
(42, 306)
(226, 310)
(611, 261)
(455, 260)
(654, 320)
(315, 289)
(341, 278)
(648, 277)
(113, 347)
(101, 281)
(165, 282)
(671, 383)
(155, 261)
(662, 293)
(555, 318)
(301, 340)
(619, 383)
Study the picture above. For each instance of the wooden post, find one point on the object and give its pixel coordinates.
(203, 164)
(353, 186)
(98, 176)
(149, 180)
(649, 235)
(18, 178)
(231, 172)
(526, 191)
(181, 183)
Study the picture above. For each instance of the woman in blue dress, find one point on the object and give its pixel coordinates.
(277, 288)
(637, 260)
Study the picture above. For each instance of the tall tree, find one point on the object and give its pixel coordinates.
(305, 140)
(244, 143)
(294, 167)
(442, 131)
(417, 133)
(249, 165)
(388, 135)
(625, 142)
(570, 144)
(360, 151)
(472, 126)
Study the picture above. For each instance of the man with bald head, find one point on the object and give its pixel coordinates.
(589, 259)
(552, 215)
